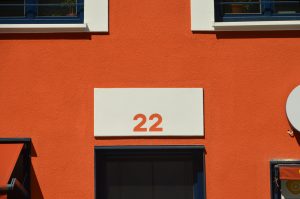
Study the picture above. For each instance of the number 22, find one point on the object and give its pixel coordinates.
(139, 127)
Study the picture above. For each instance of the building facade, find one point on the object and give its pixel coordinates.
(48, 77)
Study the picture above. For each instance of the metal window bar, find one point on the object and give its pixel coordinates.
(15, 183)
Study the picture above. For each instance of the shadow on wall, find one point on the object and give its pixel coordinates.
(150, 138)
(36, 192)
(252, 34)
(297, 136)
(257, 34)
(48, 36)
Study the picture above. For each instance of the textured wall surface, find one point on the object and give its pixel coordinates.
(47, 82)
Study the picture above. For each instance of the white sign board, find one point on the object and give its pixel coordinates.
(293, 108)
(148, 112)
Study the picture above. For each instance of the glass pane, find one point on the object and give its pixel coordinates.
(173, 179)
(290, 189)
(11, 8)
(128, 179)
(287, 6)
(57, 8)
(148, 179)
(241, 6)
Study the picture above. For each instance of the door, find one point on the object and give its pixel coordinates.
(147, 174)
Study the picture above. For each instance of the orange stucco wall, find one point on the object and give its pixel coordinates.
(47, 81)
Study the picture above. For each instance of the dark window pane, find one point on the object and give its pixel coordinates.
(287, 6)
(173, 179)
(147, 179)
(128, 180)
(241, 6)
(11, 8)
(57, 8)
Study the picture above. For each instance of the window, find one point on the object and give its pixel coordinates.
(245, 15)
(285, 179)
(53, 16)
(41, 11)
(257, 10)
(148, 172)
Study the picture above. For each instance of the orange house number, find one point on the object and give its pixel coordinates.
(143, 119)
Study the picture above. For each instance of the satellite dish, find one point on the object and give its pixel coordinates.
(293, 108)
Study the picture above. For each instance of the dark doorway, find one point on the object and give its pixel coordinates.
(149, 173)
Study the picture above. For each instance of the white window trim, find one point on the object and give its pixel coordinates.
(203, 19)
(96, 15)
(202, 15)
(95, 20)
(42, 28)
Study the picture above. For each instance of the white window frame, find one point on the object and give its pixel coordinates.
(203, 19)
(95, 20)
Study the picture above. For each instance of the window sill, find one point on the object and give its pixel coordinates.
(257, 26)
(43, 28)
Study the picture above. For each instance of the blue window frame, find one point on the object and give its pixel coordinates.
(152, 172)
(257, 10)
(41, 11)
